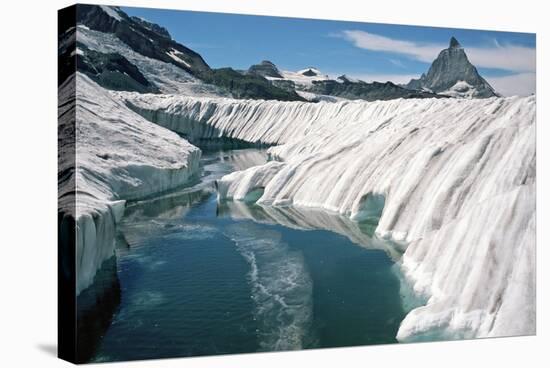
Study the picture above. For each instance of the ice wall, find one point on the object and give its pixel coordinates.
(255, 121)
(119, 156)
(453, 180)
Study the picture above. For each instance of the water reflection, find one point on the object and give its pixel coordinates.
(96, 306)
(360, 233)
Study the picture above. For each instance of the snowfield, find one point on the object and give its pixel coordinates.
(119, 156)
(302, 81)
(452, 181)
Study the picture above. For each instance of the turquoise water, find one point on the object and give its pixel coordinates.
(201, 278)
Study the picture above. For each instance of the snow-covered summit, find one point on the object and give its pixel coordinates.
(303, 78)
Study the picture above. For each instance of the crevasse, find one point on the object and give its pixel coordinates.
(453, 179)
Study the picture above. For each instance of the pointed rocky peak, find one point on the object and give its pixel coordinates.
(454, 43)
(266, 62)
(310, 72)
(343, 78)
(347, 79)
(453, 74)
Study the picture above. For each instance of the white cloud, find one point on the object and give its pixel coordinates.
(397, 63)
(522, 84)
(507, 57)
(374, 42)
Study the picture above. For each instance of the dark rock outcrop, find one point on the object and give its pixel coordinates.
(360, 90)
(265, 69)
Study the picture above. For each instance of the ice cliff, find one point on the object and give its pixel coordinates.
(109, 154)
(452, 181)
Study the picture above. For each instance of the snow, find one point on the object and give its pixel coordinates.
(119, 156)
(174, 55)
(309, 70)
(111, 12)
(168, 77)
(301, 81)
(461, 89)
(455, 180)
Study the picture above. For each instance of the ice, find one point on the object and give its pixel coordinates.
(453, 180)
(314, 97)
(119, 156)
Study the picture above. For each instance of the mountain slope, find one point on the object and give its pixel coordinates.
(131, 54)
(452, 74)
(265, 69)
(141, 36)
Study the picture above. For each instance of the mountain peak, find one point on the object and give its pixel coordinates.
(452, 73)
(454, 43)
(310, 72)
(265, 69)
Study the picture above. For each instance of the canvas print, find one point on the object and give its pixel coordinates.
(236, 183)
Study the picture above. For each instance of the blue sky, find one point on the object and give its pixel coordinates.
(364, 50)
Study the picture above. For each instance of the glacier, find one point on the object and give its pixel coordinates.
(453, 182)
(108, 154)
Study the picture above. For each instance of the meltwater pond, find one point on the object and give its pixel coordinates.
(200, 278)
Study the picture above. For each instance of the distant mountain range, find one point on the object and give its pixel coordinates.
(120, 52)
(314, 86)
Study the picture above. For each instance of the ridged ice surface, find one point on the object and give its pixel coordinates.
(453, 181)
(119, 156)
